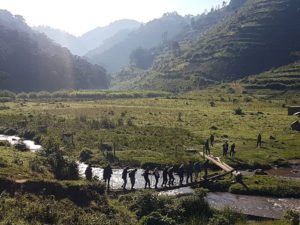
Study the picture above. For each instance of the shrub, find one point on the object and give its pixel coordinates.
(32, 95)
(22, 95)
(238, 111)
(85, 155)
(227, 216)
(292, 216)
(21, 146)
(155, 218)
(146, 203)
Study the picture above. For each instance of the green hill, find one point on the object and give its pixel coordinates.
(29, 61)
(254, 37)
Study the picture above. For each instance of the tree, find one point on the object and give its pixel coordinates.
(141, 58)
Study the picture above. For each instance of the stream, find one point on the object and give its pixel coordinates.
(259, 206)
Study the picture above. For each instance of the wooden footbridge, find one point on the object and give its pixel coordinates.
(219, 163)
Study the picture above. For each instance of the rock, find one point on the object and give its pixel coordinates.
(259, 172)
(295, 125)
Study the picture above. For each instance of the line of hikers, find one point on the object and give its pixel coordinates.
(168, 172)
(167, 175)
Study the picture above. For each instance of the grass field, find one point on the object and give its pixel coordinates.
(157, 130)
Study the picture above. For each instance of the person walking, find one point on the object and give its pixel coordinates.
(131, 175)
(181, 174)
(124, 177)
(165, 177)
(107, 172)
(258, 141)
(197, 170)
(156, 176)
(171, 176)
(225, 149)
(212, 139)
(146, 177)
(232, 150)
(189, 172)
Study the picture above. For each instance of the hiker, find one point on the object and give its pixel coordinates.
(212, 139)
(171, 177)
(124, 177)
(232, 148)
(258, 140)
(225, 149)
(131, 175)
(181, 174)
(156, 176)
(146, 177)
(206, 147)
(165, 177)
(88, 173)
(107, 175)
(197, 170)
(189, 172)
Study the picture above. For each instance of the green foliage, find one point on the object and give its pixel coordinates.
(267, 186)
(141, 58)
(227, 216)
(155, 218)
(238, 111)
(21, 146)
(292, 216)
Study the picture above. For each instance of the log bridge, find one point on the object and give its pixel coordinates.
(222, 165)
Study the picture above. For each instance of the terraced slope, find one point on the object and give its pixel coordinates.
(282, 78)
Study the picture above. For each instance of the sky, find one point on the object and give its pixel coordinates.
(79, 16)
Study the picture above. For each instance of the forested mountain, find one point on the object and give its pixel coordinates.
(250, 37)
(147, 36)
(90, 40)
(29, 61)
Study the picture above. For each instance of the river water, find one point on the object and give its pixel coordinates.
(250, 205)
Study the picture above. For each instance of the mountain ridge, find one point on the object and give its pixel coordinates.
(30, 61)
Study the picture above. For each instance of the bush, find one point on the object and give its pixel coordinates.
(22, 95)
(238, 111)
(21, 146)
(155, 218)
(292, 216)
(85, 155)
(227, 216)
(146, 203)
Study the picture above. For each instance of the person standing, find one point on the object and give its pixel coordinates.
(88, 172)
(156, 176)
(206, 147)
(181, 174)
(146, 177)
(107, 175)
(212, 139)
(232, 150)
(131, 175)
(124, 177)
(165, 177)
(258, 141)
(225, 149)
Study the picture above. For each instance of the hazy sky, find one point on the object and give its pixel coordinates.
(80, 16)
